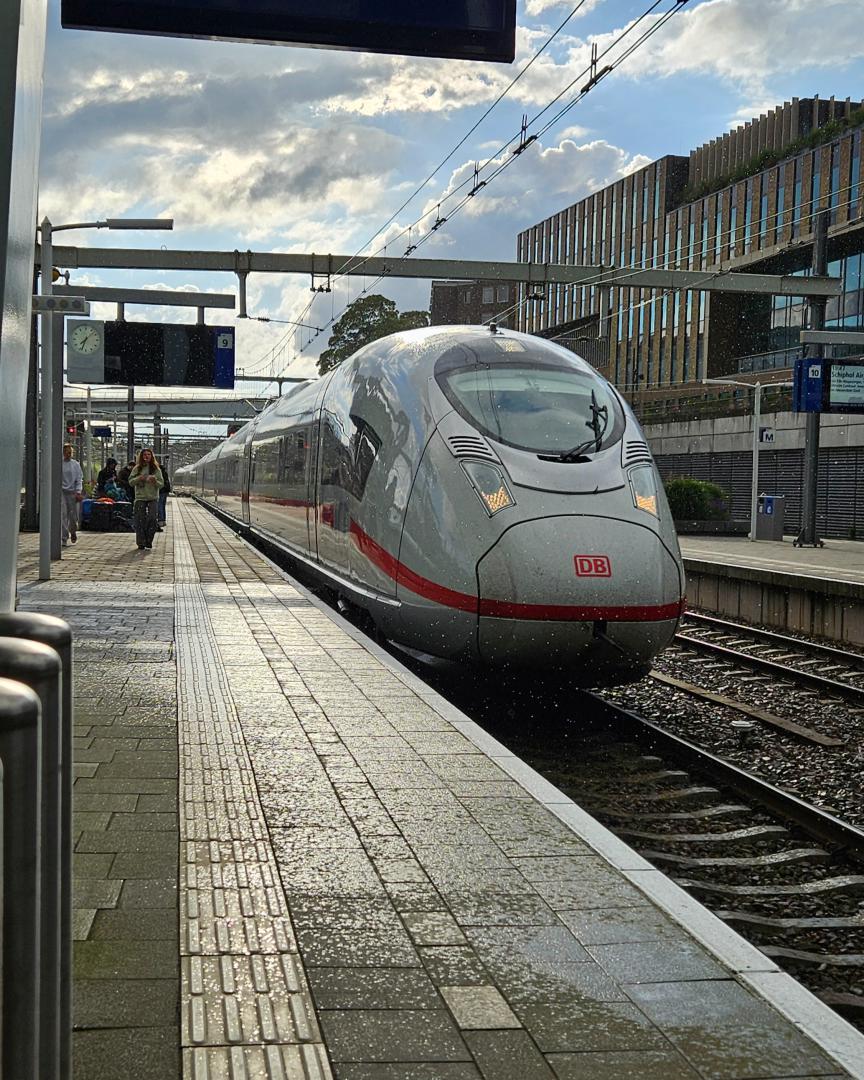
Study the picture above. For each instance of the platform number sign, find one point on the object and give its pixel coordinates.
(831, 386)
(223, 369)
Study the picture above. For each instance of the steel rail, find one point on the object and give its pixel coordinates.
(782, 671)
(811, 819)
(830, 652)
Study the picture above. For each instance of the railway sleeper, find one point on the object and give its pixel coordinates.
(848, 884)
(772, 927)
(777, 858)
(755, 832)
(726, 810)
(804, 958)
(850, 1004)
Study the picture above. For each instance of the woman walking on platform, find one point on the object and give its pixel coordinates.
(146, 478)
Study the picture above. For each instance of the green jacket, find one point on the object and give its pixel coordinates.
(144, 490)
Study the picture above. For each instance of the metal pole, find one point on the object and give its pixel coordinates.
(57, 427)
(88, 439)
(19, 753)
(38, 666)
(31, 434)
(47, 448)
(56, 988)
(242, 275)
(130, 423)
(808, 534)
(754, 492)
(200, 316)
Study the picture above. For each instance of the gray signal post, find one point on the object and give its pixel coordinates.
(808, 536)
(50, 472)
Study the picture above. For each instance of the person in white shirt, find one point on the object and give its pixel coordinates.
(73, 493)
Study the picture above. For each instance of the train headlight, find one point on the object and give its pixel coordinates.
(490, 486)
(643, 487)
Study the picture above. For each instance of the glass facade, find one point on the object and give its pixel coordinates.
(641, 221)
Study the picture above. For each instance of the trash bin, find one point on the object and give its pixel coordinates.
(770, 513)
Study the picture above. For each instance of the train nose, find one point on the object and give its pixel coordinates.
(605, 590)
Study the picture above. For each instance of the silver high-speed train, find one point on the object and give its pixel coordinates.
(483, 494)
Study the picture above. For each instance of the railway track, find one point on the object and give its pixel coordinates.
(787, 875)
(830, 671)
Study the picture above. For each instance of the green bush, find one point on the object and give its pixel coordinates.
(696, 500)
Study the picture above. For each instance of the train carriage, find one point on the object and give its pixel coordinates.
(485, 495)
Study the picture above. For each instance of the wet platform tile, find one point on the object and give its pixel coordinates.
(725, 1032)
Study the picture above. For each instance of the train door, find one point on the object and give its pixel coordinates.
(246, 473)
(314, 475)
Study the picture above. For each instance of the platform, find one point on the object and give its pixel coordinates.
(814, 591)
(839, 560)
(295, 860)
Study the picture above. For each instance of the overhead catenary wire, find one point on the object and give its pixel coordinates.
(617, 40)
(507, 162)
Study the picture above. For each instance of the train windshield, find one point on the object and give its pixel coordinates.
(546, 410)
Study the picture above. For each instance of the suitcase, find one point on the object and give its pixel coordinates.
(101, 517)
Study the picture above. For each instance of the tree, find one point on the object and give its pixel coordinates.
(367, 319)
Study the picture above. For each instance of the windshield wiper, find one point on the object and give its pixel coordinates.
(598, 423)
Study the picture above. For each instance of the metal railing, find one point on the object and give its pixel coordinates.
(36, 872)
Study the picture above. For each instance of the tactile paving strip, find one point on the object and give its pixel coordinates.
(246, 1006)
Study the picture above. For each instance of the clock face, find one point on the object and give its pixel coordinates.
(85, 339)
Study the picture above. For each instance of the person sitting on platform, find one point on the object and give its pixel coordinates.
(123, 480)
(146, 478)
(106, 475)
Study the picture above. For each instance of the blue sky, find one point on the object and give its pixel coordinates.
(273, 148)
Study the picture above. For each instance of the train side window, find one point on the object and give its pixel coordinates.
(365, 446)
(335, 462)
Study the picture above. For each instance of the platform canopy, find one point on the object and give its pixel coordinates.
(459, 29)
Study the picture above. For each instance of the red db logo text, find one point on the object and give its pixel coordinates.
(592, 566)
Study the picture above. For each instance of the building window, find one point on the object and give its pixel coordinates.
(691, 239)
(503, 293)
(718, 229)
(763, 209)
(855, 177)
(815, 184)
(796, 198)
(733, 223)
(488, 294)
(834, 190)
(748, 215)
(679, 238)
(781, 204)
(703, 247)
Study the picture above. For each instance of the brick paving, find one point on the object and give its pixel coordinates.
(343, 863)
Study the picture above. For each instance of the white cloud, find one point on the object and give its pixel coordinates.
(538, 7)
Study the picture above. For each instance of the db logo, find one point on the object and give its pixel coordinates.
(592, 566)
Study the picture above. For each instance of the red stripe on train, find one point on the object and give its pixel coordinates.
(506, 609)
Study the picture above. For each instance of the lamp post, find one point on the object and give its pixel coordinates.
(757, 387)
(51, 379)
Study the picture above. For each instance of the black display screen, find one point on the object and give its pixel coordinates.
(460, 29)
(160, 354)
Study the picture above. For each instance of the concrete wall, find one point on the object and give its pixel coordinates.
(731, 433)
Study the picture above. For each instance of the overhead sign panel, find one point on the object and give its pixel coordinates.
(845, 385)
(154, 354)
(832, 386)
(460, 29)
